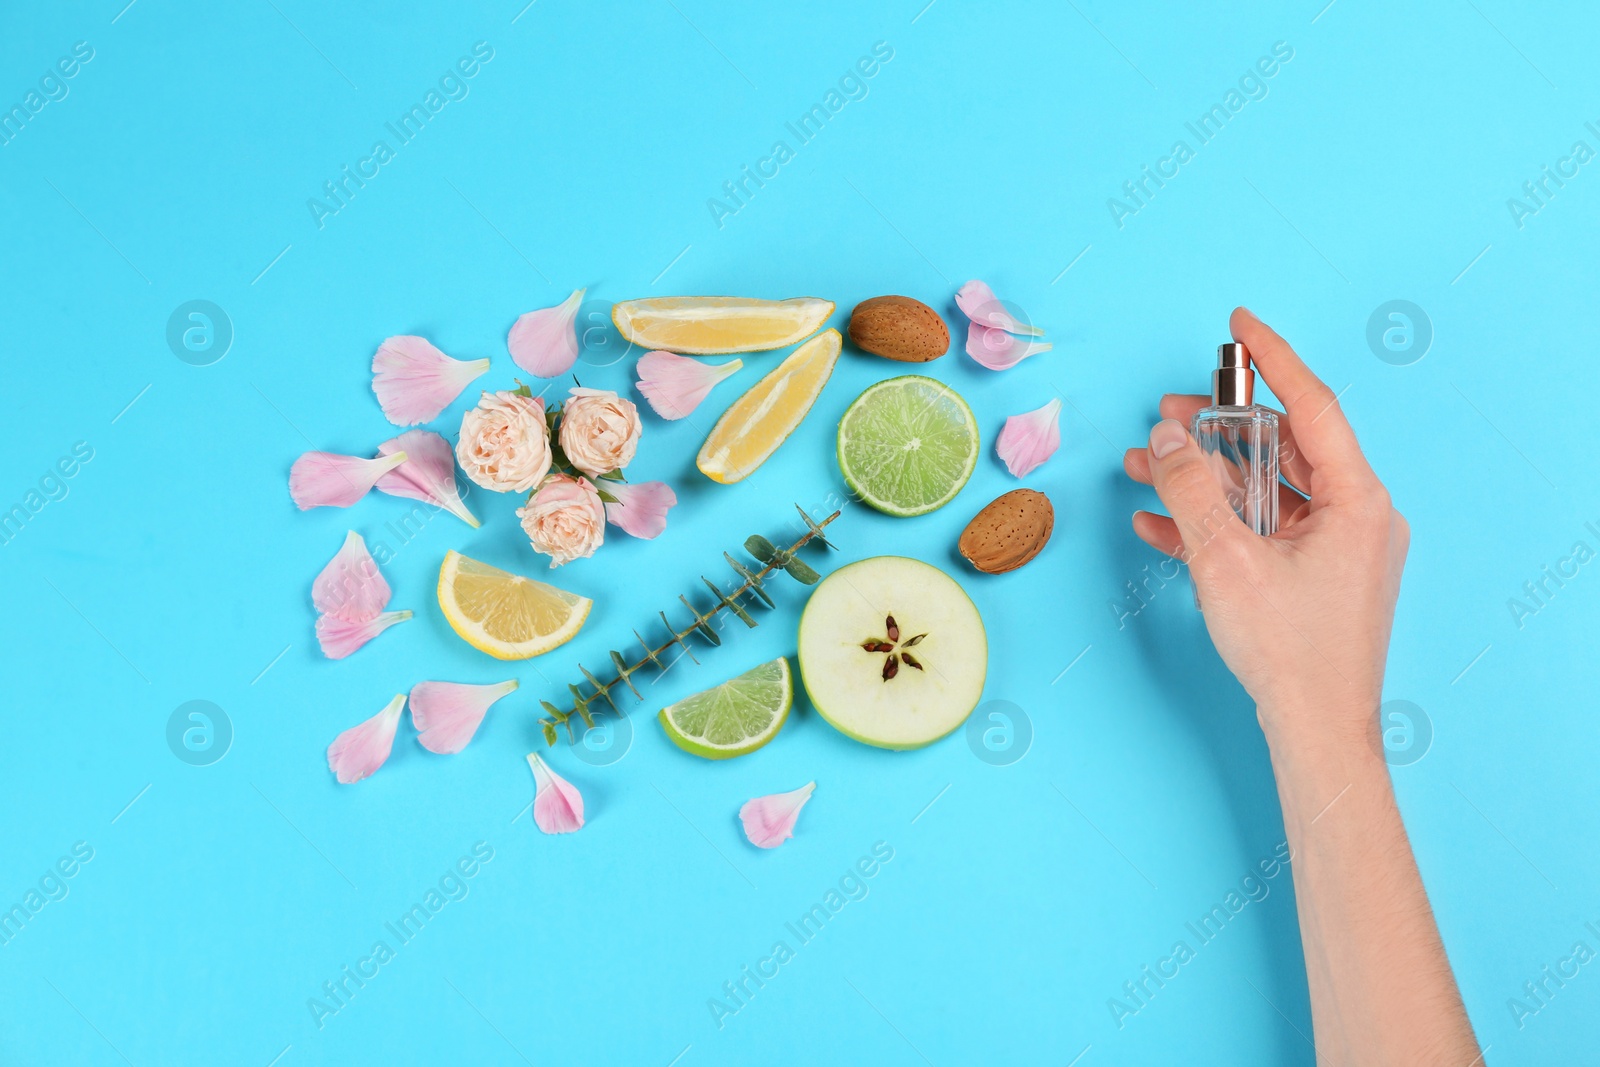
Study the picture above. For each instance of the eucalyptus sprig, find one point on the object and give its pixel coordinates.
(764, 551)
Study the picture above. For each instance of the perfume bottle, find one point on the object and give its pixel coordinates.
(1240, 440)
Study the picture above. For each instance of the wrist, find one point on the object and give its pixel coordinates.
(1315, 742)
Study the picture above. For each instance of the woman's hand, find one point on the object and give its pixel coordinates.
(1302, 618)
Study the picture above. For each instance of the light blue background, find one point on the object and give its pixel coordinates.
(1020, 901)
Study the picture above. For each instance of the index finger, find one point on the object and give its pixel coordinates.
(1320, 428)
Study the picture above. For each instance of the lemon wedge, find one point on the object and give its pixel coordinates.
(764, 417)
(717, 325)
(504, 614)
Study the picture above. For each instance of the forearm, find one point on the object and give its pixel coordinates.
(1381, 987)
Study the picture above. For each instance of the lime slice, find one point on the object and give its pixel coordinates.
(907, 445)
(734, 718)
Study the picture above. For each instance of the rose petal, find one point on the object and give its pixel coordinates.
(362, 749)
(640, 508)
(545, 342)
(998, 350)
(325, 479)
(350, 587)
(1028, 440)
(429, 473)
(557, 805)
(769, 821)
(978, 302)
(340, 637)
(675, 385)
(415, 381)
(448, 713)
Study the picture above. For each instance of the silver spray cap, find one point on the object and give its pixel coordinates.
(1233, 383)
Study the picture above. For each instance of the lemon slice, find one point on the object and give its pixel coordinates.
(717, 325)
(504, 614)
(762, 419)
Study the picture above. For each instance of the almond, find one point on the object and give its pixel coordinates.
(1009, 532)
(899, 328)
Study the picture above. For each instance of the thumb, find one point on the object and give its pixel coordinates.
(1188, 485)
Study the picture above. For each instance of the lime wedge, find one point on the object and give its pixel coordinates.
(907, 445)
(734, 718)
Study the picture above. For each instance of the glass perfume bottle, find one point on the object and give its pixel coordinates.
(1240, 440)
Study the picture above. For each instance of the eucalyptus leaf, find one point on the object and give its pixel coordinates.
(801, 571)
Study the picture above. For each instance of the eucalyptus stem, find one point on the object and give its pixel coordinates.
(764, 552)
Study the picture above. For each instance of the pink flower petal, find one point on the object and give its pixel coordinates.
(998, 350)
(362, 749)
(429, 472)
(674, 385)
(324, 479)
(545, 342)
(640, 508)
(557, 805)
(340, 637)
(769, 821)
(350, 587)
(415, 381)
(1028, 440)
(449, 713)
(979, 304)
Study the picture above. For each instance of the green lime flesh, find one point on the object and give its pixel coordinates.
(907, 445)
(734, 718)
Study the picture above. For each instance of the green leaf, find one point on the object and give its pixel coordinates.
(801, 571)
(752, 583)
(522, 390)
(549, 734)
(760, 548)
(605, 497)
(614, 476)
(558, 458)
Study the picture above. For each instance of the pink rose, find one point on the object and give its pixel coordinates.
(599, 431)
(565, 519)
(505, 444)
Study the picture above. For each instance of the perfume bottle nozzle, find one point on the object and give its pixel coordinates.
(1233, 382)
(1233, 354)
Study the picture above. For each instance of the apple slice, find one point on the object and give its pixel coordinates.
(892, 652)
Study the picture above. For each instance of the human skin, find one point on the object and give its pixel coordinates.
(1303, 618)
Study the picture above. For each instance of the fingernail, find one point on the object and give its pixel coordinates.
(1167, 437)
(1247, 311)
